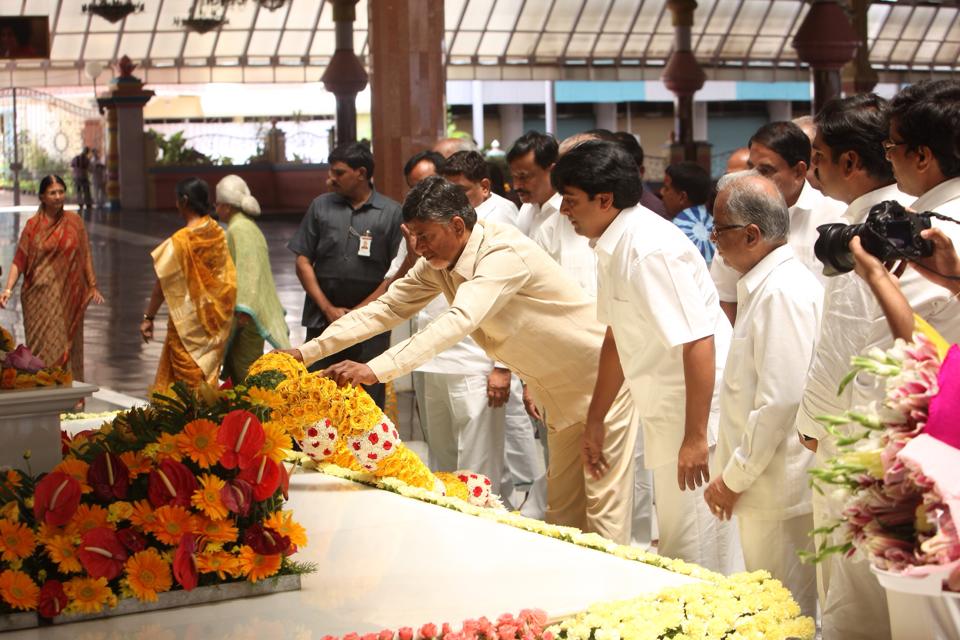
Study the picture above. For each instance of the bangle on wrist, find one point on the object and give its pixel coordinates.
(147, 317)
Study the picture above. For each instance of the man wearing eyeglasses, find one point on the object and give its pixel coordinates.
(866, 152)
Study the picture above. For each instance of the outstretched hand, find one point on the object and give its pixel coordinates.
(349, 372)
(290, 352)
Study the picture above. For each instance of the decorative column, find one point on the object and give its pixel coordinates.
(126, 159)
(605, 115)
(826, 42)
(859, 76)
(684, 77)
(345, 76)
(406, 47)
(511, 123)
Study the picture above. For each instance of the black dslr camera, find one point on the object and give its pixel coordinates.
(889, 233)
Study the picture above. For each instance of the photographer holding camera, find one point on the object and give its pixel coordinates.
(857, 137)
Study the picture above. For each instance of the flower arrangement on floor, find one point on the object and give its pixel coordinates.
(345, 426)
(529, 624)
(185, 492)
(20, 369)
(897, 464)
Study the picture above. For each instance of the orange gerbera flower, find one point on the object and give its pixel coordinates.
(144, 516)
(136, 462)
(207, 498)
(16, 540)
(283, 523)
(172, 522)
(222, 563)
(217, 530)
(199, 442)
(13, 478)
(63, 551)
(76, 469)
(89, 516)
(168, 447)
(257, 567)
(18, 590)
(89, 595)
(276, 439)
(147, 575)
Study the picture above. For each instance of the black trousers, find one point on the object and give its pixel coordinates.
(361, 352)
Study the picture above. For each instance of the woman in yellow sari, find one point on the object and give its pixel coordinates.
(196, 277)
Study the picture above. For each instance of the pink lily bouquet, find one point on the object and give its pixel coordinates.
(897, 465)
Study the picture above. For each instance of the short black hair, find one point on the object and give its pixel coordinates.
(195, 194)
(430, 156)
(629, 142)
(928, 114)
(545, 148)
(434, 199)
(602, 134)
(598, 166)
(857, 123)
(470, 164)
(355, 155)
(692, 179)
(785, 139)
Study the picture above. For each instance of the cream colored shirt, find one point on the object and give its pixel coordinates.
(778, 320)
(511, 298)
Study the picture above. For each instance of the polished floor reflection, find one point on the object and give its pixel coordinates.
(115, 356)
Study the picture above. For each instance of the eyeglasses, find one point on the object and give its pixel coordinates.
(715, 234)
(890, 145)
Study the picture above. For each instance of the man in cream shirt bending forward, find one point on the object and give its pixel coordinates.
(524, 311)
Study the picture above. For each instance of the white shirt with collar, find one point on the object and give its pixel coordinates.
(853, 321)
(811, 210)
(466, 357)
(569, 249)
(656, 294)
(533, 215)
(778, 319)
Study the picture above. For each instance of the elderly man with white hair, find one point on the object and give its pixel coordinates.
(259, 314)
(763, 465)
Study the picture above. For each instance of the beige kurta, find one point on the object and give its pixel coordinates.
(518, 304)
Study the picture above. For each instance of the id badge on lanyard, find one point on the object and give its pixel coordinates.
(366, 241)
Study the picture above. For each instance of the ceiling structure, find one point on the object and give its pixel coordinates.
(493, 39)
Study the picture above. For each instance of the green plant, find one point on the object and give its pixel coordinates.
(174, 150)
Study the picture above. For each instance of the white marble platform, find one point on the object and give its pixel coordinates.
(387, 561)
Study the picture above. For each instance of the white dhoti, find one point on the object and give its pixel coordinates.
(525, 467)
(772, 545)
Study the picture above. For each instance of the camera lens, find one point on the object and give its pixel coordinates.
(832, 247)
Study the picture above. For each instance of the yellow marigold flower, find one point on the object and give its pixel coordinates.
(16, 540)
(283, 523)
(137, 463)
(207, 498)
(10, 511)
(89, 595)
(275, 442)
(224, 564)
(77, 469)
(172, 522)
(63, 551)
(143, 515)
(88, 516)
(257, 567)
(454, 486)
(264, 397)
(119, 511)
(147, 575)
(168, 446)
(217, 530)
(18, 590)
(199, 442)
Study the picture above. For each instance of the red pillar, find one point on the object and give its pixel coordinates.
(826, 42)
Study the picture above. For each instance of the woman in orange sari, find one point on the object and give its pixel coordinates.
(53, 255)
(196, 277)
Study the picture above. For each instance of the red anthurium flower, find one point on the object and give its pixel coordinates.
(132, 539)
(227, 384)
(242, 435)
(185, 562)
(171, 483)
(237, 495)
(101, 553)
(52, 599)
(56, 498)
(284, 481)
(265, 540)
(109, 477)
(264, 475)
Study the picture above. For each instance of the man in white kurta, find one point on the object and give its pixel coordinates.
(853, 604)
(664, 326)
(764, 466)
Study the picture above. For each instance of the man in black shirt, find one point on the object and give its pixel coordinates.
(344, 247)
